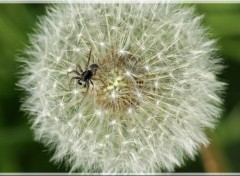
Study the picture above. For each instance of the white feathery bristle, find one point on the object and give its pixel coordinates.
(153, 96)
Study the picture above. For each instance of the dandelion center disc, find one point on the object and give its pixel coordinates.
(122, 87)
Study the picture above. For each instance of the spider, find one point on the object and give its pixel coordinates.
(84, 76)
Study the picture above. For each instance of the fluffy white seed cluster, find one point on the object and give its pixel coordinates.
(152, 98)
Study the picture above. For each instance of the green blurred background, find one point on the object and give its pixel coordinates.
(19, 152)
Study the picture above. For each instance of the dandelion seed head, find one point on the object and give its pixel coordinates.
(154, 94)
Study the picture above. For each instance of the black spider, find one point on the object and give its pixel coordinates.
(84, 76)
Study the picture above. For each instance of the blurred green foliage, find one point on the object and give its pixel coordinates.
(19, 152)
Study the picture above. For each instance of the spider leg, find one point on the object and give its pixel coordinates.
(70, 82)
(92, 84)
(78, 67)
(79, 81)
(89, 57)
(99, 80)
(74, 71)
(87, 85)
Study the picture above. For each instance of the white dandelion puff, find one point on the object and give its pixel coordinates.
(150, 101)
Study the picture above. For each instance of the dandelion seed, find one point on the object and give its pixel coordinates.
(89, 131)
(133, 130)
(61, 104)
(99, 113)
(107, 136)
(114, 28)
(122, 52)
(128, 73)
(114, 95)
(102, 44)
(130, 110)
(76, 49)
(75, 91)
(80, 115)
(147, 68)
(113, 122)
